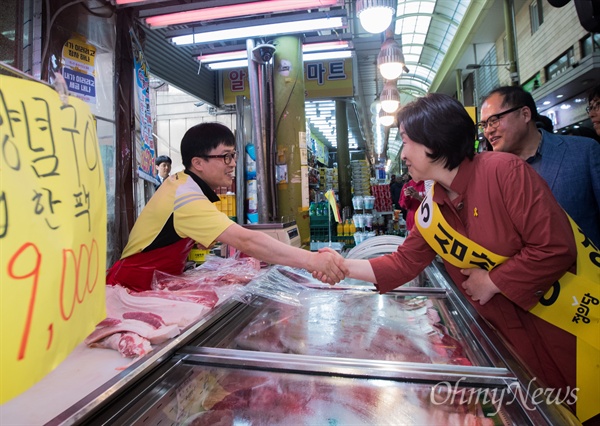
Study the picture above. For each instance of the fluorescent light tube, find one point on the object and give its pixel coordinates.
(261, 30)
(319, 56)
(153, 19)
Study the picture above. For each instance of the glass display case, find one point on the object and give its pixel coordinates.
(291, 351)
(220, 386)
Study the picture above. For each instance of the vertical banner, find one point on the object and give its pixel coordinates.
(145, 149)
(52, 231)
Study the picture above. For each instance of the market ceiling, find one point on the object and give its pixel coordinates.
(436, 37)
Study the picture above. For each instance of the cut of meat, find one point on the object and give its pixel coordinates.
(129, 345)
(119, 301)
(206, 297)
(154, 320)
(143, 329)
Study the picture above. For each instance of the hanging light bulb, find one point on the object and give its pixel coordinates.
(375, 15)
(390, 97)
(390, 60)
(386, 119)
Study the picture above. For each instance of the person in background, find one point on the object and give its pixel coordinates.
(182, 213)
(412, 195)
(395, 191)
(163, 168)
(545, 123)
(569, 164)
(491, 204)
(593, 108)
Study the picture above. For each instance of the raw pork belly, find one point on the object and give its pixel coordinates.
(120, 302)
(153, 334)
(135, 323)
(207, 298)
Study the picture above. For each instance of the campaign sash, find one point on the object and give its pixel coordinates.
(572, 303)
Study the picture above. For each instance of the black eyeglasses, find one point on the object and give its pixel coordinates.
(592, 107)
(494, 120)
(227, 157)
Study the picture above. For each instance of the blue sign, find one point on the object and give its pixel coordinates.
(80, 83)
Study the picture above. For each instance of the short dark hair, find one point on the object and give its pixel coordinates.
(443, 125)
(162, 159)
(545, 123)
(594, 93)
(514, 96)
(202, 138)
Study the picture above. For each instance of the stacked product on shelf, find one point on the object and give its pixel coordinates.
(361, 177)
(227, 201)
(383, 198)
(363, 217)
(328, 178)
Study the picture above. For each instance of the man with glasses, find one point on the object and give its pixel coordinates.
(182, 213)
(569, 164)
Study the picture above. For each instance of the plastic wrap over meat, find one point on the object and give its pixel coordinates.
(349, 323)
(286, 285)
(215, 271)
(210, 284)
(234, 397)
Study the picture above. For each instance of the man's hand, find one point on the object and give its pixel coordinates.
(479, 285)
(328, 266)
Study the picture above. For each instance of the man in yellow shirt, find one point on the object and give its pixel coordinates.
(182, 212)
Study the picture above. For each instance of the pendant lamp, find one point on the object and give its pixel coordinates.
(390, 97)
(386, 119)
(390, 60)
(375, 15)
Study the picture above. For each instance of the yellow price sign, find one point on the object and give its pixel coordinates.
(52, 231)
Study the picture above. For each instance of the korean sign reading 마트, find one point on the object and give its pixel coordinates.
(52, 231)
(322, 79)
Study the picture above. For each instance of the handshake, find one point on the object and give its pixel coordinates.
(328, 266)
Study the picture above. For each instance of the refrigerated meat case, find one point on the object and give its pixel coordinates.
(337, 355)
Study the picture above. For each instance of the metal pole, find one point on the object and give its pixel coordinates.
(240, 168)
(459, 87)
(509, 24)
(257, 133)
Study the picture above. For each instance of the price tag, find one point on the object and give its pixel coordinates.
(52, 231)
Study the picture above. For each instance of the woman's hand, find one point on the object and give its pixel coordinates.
(479, 285)
(412, 192)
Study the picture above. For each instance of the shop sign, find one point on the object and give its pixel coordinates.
(328, 79)
(235, 83)
(52, 231)
(321, 152)
(78, 69)
(322, 79)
